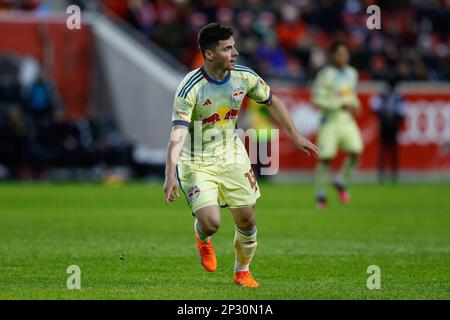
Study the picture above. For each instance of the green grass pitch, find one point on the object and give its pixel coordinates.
(303, 253)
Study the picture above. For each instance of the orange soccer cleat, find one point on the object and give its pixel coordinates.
(207, 255)
(245, 279)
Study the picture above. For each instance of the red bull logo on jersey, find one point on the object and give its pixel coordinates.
(221, 116)
(193, 193)
(211, 119)
(345, 92)
(238, 94)
(233, 113)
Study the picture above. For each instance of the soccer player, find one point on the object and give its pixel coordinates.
(334, 93)
(205, 156)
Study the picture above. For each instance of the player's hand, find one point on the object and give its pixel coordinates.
(355, 111)
(171, 189)
(306, 146)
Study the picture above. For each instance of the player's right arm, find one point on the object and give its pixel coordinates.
(177, 137)
(181, 118)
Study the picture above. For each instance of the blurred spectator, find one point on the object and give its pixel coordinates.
(13, 142)
(85, 143)
(413, 42)
(390, 109)
(291, 30)
(115, 7)
(194, 58)
(142, 15)
(10, 88)
(23, 5)
(225, 16)
(54, 144)
(41, 101)
(249, 39)
(35, 133)
(273, 60)
(170, 31)
(102, 137)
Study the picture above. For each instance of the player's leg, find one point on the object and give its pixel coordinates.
(239, 191)
(350, 162)
(207, 223)
(198, 183)
(245, 243)
(341, 180)
(321, 182)
(327, 142)
(353, 146)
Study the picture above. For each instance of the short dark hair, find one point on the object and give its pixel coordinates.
(335, 46)
(210, 35)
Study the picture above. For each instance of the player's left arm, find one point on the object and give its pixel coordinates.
(261, 93)
(353, 104)
(279, 111)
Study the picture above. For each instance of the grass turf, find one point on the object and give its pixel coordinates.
(303, 253)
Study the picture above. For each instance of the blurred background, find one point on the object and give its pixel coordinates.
(95, 103)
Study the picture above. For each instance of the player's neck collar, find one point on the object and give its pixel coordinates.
(205, 74)
(343, 68)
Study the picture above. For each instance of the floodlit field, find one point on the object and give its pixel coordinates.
(129, 245)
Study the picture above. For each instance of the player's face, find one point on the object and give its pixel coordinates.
(341, 56)
(225, 54)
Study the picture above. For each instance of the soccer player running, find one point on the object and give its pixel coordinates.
(219, 173)
(334, 93)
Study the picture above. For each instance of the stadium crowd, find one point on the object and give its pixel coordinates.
(288, 39)
(35, 132)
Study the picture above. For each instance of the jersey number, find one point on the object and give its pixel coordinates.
(251, 179)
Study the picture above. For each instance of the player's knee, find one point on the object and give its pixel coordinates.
(211, 226)
(247, 222)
